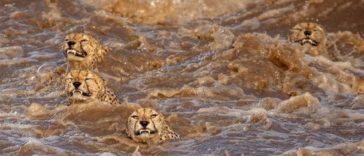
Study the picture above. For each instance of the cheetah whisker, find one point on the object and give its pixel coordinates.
(39, 68)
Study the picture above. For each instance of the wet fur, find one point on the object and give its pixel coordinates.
(84, 43)
(92, 87)
(316, 41)
(164, 132)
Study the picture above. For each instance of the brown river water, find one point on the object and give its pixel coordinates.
(222, 72)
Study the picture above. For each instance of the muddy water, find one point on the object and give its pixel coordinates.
(223, 74)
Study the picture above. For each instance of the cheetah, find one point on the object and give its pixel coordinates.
(82, 51)
(146, 125)
(311, 34)
(83, 86)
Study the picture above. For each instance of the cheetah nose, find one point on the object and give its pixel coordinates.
(144, 123)
(307, 33)
(71, 43)
(76, 84)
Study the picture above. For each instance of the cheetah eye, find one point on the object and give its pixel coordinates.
(134, 116)
(88, 79)
(84, 40)
(154, 115)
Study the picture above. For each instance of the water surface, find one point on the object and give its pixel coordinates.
(223, 73)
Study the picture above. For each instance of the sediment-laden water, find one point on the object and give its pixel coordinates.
(222, 72)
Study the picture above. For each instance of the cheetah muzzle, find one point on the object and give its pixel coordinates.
(76, 53)
(308, 40)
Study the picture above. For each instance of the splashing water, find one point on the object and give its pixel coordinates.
(223, 73)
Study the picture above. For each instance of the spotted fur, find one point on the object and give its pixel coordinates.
(82, 51)
(311, 34)
(156, 131)
(84, 86)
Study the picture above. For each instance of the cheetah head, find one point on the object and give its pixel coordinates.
(83, 86)
(82, 50)
(308, 33)
(147, 125)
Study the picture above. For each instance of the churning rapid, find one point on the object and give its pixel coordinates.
(223, 73)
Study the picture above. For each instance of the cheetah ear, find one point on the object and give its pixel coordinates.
(102, 52)
(103, 80)
(162, 116)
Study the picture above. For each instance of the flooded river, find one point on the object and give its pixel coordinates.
(222, 72)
